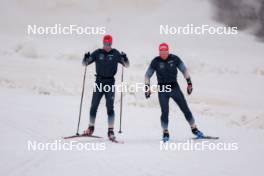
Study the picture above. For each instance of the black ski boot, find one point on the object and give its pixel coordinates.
(197, 133)
(89, 131)
(111, 134)
(166, 136)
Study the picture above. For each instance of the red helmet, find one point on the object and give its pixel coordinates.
(163, 47)
(108, 39)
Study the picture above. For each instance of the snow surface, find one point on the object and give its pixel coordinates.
(40, 86)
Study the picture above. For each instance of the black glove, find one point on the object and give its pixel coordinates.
(85, 58)
(124, 56)
(147, 91)
(189, 87)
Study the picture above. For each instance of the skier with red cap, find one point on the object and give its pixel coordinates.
(166, 66)
(106, 63)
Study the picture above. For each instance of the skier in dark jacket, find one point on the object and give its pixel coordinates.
(166, 66)
(106, 63)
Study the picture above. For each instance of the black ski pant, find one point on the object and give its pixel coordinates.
(109, 94)
(178, 97)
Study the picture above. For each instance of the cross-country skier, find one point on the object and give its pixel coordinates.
(166, 66)
(106, 62)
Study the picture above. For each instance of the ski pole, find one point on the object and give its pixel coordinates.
(80, 111)
(121, 101)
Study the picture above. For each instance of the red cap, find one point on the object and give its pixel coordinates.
(163, 47)
(107, 39)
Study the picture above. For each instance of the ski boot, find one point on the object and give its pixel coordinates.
(197, 133)
(89, 131)
(111, 134)
(166, 136)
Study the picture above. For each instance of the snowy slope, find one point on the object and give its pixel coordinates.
(140, 155)
(40, 84)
